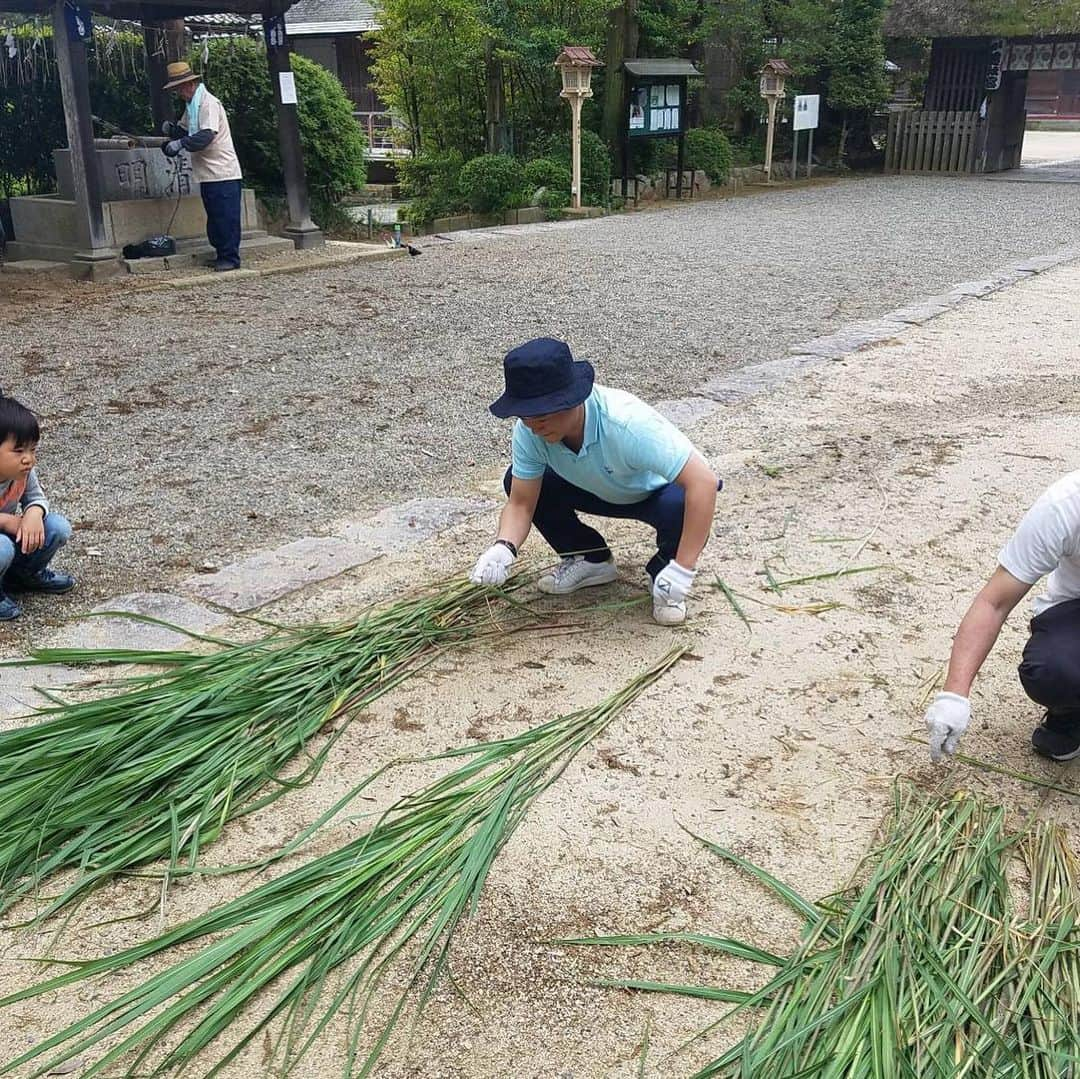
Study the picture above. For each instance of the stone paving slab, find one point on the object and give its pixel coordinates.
(686, 411)
(759, 377)
(269, 575)
(917, 313)
(412, 522)
(17, 694)
(106, 632)
(858, 335)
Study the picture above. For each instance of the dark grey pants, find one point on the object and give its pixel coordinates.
(1050, 667)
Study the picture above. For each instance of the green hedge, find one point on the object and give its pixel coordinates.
(492, 182)
(32, 109)
(543, 172)
(332, 141)
(708, 149)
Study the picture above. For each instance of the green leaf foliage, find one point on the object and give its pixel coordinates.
(708, 149)
(491, 182)
(595, 164)
(332, 141)
(543, 172)
(32, 109)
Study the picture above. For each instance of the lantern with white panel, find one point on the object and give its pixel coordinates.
(774, 76)
(575, 64)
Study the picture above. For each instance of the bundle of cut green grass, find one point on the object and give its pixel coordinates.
(387, 904)
(934, 969)
(156, 770)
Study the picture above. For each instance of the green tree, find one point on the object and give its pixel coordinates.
(856, 60)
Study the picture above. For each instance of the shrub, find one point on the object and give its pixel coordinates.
(708, 149)
(430, 182)
(491, 182)
(543, 172)
(332, 141)
(553, 202)
(595, 165)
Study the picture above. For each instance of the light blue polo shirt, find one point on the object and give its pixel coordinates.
(629, 450)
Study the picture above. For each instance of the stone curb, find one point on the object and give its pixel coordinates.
(851, 339)
(202, 280)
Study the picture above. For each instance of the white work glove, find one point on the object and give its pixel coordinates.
(493, 565)
(673, 582)
(946, 719)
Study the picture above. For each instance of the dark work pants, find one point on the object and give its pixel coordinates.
(1050, 667)
(556, 519)
(221, 200)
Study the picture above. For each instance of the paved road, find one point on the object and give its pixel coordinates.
(183, 428)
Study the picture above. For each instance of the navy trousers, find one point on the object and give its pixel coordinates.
(221, 200)
(1050, 667)
(556, 519)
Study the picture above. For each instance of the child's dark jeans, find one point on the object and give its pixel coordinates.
(16, 566)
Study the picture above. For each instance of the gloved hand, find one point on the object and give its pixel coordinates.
(673, 583)
(172, 148)
(946, 719)
(493, 565)
(171, 130)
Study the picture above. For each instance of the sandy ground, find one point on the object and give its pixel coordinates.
(1042, 147)
(781, 740)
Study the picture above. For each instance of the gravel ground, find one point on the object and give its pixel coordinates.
(181, 428)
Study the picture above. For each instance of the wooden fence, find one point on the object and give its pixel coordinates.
(922, 141)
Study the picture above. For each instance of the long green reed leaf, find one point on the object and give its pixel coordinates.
(387, 903)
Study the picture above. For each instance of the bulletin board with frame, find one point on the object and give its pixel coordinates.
(655, 98)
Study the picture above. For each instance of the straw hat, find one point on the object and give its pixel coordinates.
(179, 73)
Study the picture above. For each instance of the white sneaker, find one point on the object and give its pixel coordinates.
(666, 613)
(574, 572)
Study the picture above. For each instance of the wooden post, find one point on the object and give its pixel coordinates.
(164, 44)
(575, 141)
(680, 160)
(769, 138)
(98, 259)
(301, 229)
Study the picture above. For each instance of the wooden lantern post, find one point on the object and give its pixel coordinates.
(773, 76)
(576, 63)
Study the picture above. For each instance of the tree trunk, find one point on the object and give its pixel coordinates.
(495, 101)
(622, 43)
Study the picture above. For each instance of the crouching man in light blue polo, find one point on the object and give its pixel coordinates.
(577, 448)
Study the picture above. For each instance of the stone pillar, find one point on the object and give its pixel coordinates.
(164, 44)
(97, 259)
(300, 229)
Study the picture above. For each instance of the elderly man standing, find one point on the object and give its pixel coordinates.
(1047, 542)
(203, 130)
(580, 448)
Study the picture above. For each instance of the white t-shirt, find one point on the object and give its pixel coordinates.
(218, 161)
(1048, 541)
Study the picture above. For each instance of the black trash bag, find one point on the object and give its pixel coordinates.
(154, 248)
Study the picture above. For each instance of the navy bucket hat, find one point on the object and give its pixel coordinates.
(542, 376)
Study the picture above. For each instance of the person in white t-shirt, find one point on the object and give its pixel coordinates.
(203, 130)
(1047, 542)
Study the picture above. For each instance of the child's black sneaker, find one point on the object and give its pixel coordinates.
(1056, 741)
(9, 609)
(45, 580)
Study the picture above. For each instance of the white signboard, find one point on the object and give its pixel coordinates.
(288, 88)
(806, 111)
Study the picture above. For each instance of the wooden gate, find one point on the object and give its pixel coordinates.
(924, 141)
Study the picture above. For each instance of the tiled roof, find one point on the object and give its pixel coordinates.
(330, 17)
